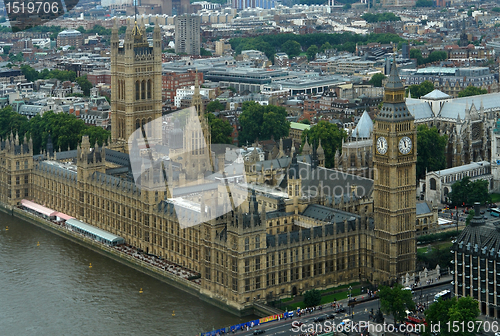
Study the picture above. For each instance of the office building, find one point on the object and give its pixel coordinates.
(187, 34)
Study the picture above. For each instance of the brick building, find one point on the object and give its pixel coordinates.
(171, 81)
(99, 76)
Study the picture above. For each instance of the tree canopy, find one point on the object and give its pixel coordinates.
(468, 192)
(97, 29)
(312, 298)
(291, 48)
(215, 105)
(331, 139)
(434, 56)
(270, 44)
(424, 3)
(471, 91)
(431, 148)
(66, 129)
(377, 79)
(311, 52)
(419, 90)
(220, 129)
(262, 122)
(32, 75)
(458, 312)
(84, 84)
(380, 17)
(396, 301)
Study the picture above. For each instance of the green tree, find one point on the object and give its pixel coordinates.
(325, 46)
(417, 54)
(469, 216)
(471, 91)
(377, 79)
(424, 3)
(215, 105)
(331, 139)
(311, 53)
(396, 301)
(11, 121)
(204, 52)
(29, 73)
(380, 17)
(16, 58)
(436, 56)
(430, 150)
(220, 129)
(291, 48)
(84, 84)
(461, 311)
(305, 121)
(262, 122)
(466, 192)
(346, 6)
(312, 298)
(419, 90)
(98, 134)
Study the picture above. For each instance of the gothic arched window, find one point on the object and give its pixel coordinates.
(149, 89)
(143, 89)
(137, 90)
(433, 183)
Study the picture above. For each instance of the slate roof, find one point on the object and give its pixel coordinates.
(436, 95)
(327, 214)
(479, 238)
(421, 110)
(335, 184)
(118, 158)
(364, 127)
(463, 168)
(394, 82)
(422, 208)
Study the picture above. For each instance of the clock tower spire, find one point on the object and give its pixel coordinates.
(394, 161)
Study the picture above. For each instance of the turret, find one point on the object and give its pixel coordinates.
(306, 149)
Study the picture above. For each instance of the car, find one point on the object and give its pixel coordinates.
(319, 319)
(258, 332)
(339, 310)
(408, 288)
(297, 323)
(331, 316)
(481, 212)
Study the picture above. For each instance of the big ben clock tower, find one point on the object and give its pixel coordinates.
(394, 161)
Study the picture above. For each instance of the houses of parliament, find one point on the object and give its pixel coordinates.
(306, 227)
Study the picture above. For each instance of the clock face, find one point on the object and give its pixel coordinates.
(405, 145)
(381, 145)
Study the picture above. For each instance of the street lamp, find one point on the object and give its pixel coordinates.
(350, 297)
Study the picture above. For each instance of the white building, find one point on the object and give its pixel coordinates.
(437, 184)
(188, 91)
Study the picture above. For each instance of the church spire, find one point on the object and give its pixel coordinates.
(394, 82)
(196, 100)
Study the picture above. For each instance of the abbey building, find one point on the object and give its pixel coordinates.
(258, 230)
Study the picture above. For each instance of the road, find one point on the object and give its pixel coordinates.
(360, 313)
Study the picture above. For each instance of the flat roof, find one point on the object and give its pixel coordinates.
(299, 126)
(94, 230)
(38, 208)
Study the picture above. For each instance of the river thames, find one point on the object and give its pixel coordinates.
(50, 290)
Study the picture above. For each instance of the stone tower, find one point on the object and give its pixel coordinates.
(394, 160)
(135, 85)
